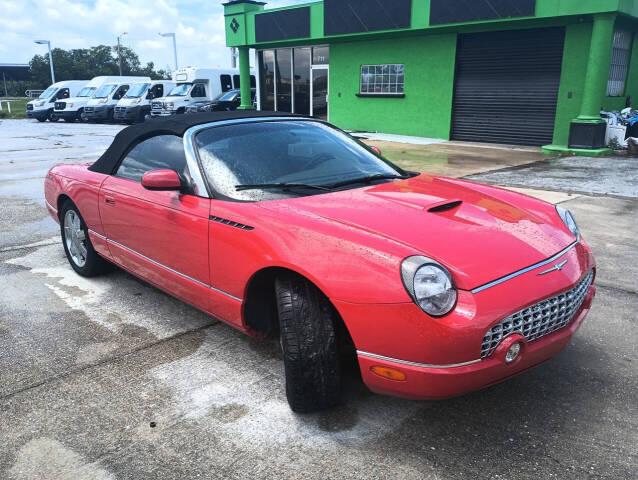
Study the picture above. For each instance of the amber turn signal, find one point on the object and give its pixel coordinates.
(389, 373)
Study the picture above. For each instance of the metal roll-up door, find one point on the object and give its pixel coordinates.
(506, 86)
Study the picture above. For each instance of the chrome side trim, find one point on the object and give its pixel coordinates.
(414, 364)
(525, 270)
(183, 275)
(50, 206)
(93, 232)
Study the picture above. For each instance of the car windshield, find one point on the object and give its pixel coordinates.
(284, 152)
(86, 92)
(228, 96)
(136, 91)
(180, 90)
(48, 93)
(104, 91)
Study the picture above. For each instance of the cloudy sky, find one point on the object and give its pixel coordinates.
(83, 23)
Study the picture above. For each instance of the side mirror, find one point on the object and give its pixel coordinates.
(161, 180)
(377, 150)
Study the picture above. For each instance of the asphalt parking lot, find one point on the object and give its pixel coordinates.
(109, 378)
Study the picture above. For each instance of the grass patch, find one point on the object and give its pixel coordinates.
(18, 107)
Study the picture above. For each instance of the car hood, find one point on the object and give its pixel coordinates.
(480, 233)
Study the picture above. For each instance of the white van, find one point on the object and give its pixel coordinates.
(72, 109)
(136, 104)
(194, 85)
(42, 107)
(101, 106)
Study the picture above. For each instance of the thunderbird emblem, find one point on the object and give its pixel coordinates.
(556, 268)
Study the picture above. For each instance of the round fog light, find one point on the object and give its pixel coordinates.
(512, 352)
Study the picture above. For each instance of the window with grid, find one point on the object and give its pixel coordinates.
(619, 63)
(382, 79)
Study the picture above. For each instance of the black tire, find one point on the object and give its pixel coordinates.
(94, 264)
(309, 343)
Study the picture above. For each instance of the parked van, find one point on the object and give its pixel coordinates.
(136, 104)
(194, 85)
(101, 106)
(72, 109)
(42, 107)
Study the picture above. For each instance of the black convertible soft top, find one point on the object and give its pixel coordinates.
(175, 125)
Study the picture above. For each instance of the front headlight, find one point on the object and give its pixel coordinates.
(39, 104)
(429, 284)
(104, 100)
(569, 221)
(169, 106)
(70, 105)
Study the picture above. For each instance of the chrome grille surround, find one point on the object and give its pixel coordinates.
(539, 319)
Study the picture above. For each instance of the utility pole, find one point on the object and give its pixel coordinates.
(171, 34)
(47, 42)
(234, 53)
(119, 54)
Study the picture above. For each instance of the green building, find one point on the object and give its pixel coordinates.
(526, 72)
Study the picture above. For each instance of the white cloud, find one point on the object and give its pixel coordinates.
(80, 24)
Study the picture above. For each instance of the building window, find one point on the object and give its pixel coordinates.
(382, 79)
(619, 63)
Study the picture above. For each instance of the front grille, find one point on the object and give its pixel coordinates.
(540, 319)
(29, 106)
(157, 105)
(60, 105)
(120, 109)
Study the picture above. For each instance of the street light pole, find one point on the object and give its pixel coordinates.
(174, 46)
(119, 55)
(48, 43)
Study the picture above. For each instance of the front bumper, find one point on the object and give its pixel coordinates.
(445, 357)
(163, 113)
(39, 114)
(132, 113)
(66, 114)
(435, 382)
(98, 112)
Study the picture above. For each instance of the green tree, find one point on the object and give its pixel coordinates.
(86, 63)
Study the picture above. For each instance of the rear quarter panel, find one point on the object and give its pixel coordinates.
(82, 187)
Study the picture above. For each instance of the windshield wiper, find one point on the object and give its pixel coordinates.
(369, 179)
(282, 186)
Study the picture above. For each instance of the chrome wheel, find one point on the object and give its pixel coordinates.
(75, 238)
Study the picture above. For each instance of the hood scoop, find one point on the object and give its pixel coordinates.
(445, 206)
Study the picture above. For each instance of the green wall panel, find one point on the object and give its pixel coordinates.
(429, 82)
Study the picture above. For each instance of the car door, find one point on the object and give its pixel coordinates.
(161, 236)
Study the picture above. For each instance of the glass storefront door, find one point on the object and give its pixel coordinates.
(294, 80)
(319, 104)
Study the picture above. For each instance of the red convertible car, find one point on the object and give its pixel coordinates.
(286, 225)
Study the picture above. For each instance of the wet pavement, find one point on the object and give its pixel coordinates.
(613, 176)
(109, 378)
